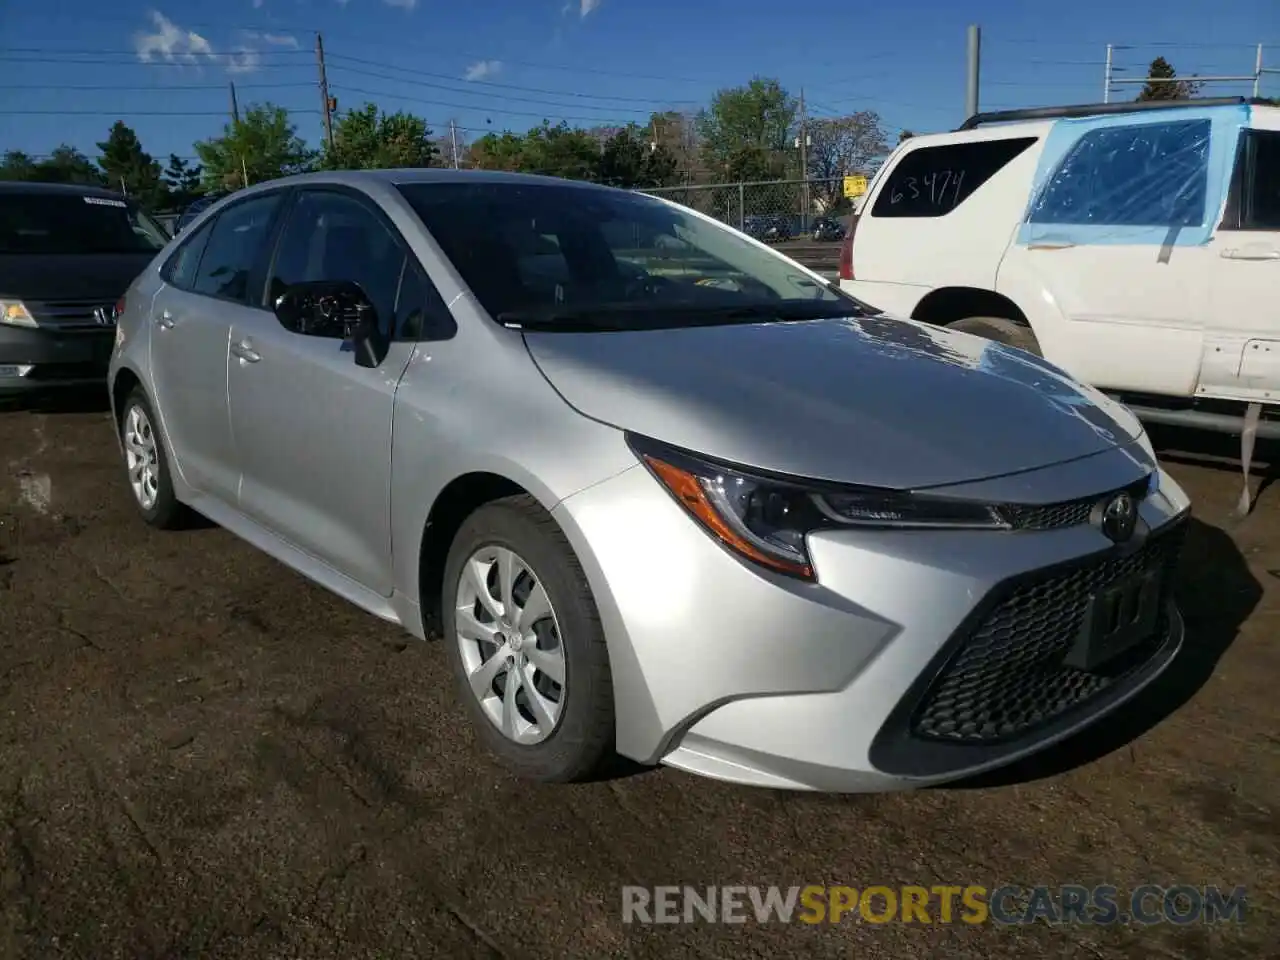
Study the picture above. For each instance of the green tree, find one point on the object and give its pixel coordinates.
(630, 158)
(263, 145)
(1163, 83)
(128, 168)
(498, 151)
(561, 151)
(68, 165)
(746, 131)
(16, 165)
(367, 139)
(182, 180)
(841, 147)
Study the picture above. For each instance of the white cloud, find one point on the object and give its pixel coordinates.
(402, 4)
(257, 4)
(170, 42)
(587, 7)
(482, 69)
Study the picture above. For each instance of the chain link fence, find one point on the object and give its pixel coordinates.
(772, 209)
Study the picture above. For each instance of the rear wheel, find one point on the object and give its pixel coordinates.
(1001, 330)
(526, 645)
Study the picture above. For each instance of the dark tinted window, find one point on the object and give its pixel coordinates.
(608, 257)
(1262, 171)
(421, 313)
(180, 270)
(1144, 175)
(332, 236)
(234, 246)
(933, 181)
(69, 223)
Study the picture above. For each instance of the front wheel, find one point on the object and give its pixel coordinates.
(526, 645)
(1001, 330)
(147, 465)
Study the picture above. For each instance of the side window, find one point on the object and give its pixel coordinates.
(180, 270)
(933, 181)
(332, 236)
(421, 313)
(1262, 170)
(235, 244)
(1141, 175)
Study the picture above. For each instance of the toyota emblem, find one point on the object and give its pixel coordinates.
(105, 316)
(1119, 518)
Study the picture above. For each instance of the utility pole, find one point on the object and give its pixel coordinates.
(975, 58)
(1106, 76)
(235, 107)
(453, 136)
(1257, 74)
(804, 164)
(324, 92)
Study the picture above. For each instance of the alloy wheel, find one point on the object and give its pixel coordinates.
(141, 457)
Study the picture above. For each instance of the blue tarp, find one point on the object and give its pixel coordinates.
(1135, 179)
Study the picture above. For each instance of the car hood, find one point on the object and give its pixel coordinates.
(90, 276)
(876, 401)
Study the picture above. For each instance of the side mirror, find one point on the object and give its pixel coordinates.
(337, 309)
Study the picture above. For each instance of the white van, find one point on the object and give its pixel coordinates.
(1136, 245)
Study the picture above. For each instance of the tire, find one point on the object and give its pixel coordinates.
(580, 743)
(1008, 332)
(162, 509)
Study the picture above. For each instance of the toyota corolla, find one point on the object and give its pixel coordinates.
(661, 491)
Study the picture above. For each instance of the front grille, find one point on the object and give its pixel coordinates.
(1007, 676)
(68, 314)
(1069, 513)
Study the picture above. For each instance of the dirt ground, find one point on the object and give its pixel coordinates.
(202, 755)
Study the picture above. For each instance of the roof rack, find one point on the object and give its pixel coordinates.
(1101, 109)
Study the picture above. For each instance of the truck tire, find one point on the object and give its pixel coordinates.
(1001, 330)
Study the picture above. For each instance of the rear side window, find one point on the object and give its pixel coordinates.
(933, 181)
(1261, 207)
(1143, 175)
(235, 245)
(180, 270)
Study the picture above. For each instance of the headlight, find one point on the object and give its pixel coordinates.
(766, 519)
(15, 313)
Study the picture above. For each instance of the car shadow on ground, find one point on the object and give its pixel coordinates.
(1216, 592)
(76, 400)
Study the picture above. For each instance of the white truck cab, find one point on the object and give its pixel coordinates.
(1136, 246)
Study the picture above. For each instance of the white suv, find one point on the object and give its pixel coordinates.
(1137, 246)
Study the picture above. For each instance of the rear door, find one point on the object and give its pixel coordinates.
(313, 429)
(207, 284)
(1242, 349)
(1113, 248)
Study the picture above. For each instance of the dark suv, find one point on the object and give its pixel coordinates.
(67, 255)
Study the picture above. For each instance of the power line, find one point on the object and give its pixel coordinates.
(132, 113)
(166, 87)
(338, 59)
(543, 114)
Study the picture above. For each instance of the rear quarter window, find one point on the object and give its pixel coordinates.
(933, 181)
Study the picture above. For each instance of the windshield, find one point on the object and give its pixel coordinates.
(71, 223)
(565, 257)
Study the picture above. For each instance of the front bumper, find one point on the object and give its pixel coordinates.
(44, 358)
(728, 671)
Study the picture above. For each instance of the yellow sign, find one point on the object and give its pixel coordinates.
(855, 186)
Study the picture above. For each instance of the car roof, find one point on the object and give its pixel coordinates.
(58, 189)
(411, 175)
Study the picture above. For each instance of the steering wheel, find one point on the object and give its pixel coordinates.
(646, 287)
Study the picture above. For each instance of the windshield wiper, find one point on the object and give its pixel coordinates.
(646, 315)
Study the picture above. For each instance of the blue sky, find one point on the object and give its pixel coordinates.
(69, 68)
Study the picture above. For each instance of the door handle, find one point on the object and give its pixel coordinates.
(164, 320)
(1251, 254)
(244, 350)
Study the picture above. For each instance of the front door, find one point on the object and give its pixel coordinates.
(313, 429)
(1242, 351)
(205, 290)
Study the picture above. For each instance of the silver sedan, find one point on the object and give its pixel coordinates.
(663, 492)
